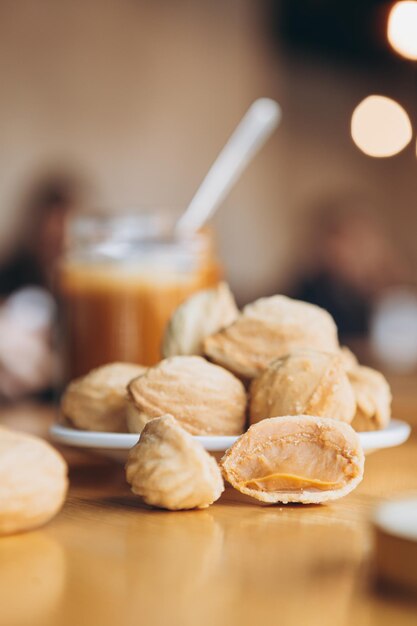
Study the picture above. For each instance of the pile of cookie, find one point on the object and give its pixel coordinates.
(277, 367)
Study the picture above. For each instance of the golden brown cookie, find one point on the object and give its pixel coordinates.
(171, 470)
(201, 315)
(205, 398)
(304, 382)
(97, 401)
(349, 359)
(33, 481)
(373, 399)
(268, 329)
(299, 458)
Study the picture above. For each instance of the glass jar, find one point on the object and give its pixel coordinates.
(121, 278)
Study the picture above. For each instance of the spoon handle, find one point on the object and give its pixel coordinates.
(256, 126)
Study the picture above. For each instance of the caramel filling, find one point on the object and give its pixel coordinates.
(289, 482)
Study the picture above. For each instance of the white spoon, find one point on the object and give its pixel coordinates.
(256, 126)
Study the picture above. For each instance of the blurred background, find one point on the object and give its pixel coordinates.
(126, 104)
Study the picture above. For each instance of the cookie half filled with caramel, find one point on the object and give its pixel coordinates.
(301, 458)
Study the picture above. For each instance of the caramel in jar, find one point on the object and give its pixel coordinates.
(117, 299)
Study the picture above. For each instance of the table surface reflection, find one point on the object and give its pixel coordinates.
(108, 559)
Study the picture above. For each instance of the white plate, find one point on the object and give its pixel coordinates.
(116, 445)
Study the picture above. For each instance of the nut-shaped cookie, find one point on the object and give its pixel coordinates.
(171, 470)
(350, 361)
(268, 329)
(300, 458)
(97, 401)
(373, 399)
(205, 398)
(33, 481)
(304, 382)
(202, 314)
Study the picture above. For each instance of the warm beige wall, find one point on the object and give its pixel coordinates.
(138, 95)
(141, 95)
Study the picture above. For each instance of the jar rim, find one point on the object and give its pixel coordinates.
(140, 224)
(132, 235)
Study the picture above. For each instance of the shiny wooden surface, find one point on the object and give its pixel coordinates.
(108, 559)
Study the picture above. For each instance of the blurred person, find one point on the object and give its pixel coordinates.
(27, 290)
(352, 265)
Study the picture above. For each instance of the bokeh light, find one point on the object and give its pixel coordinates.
(380, 127)
(402, 29)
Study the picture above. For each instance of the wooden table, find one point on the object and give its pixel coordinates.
(107, 559)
